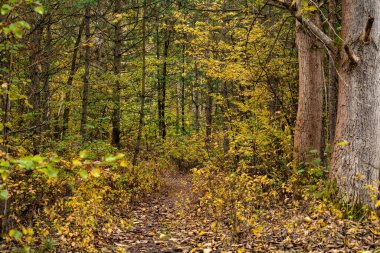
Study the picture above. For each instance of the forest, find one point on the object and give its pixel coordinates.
(214, 126)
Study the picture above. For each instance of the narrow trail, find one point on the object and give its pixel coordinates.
(167, 222)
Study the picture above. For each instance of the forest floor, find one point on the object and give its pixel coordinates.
(171, 221)
(165, 222)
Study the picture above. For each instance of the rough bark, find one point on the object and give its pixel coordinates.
(308, 130)
(356, 156)
(333, 76)
(86, 75)
(116, 115)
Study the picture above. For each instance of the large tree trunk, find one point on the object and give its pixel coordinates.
(333, 76)
(86, 74)
(356, 156)
(308, 131)
(116, 115)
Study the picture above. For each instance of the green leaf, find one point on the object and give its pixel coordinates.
(39, 9)
(5, 164)
(23, 24)
(83, 174)
(5, 9)
(15, 234)
(317, 160)
(38, 159)
(112, 158)
(52, 172)
(26, 163)
(4, 194)
(84, 154)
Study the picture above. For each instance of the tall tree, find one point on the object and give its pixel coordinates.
(70, 79)
(356, 156)
(116, 115)
(86, 75)
(143, 77)
(308, 131)
(35, 82)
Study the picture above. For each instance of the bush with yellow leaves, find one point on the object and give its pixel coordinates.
(52, 202)
(233, 199)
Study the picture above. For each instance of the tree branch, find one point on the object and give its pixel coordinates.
(367, 31)
(351, 56)
(309, 25)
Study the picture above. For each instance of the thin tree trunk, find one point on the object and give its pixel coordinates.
(116, 115)
(164, 84)
(5, 105)
(208, 109)
(159, 86)
(35, 89)
(308, 131)
(196, 100)
(46, 88)
(86, 75)
(69, 83)
(183, 81)
(143, 75)
(177, 107)
(226, 140)
(356, 156)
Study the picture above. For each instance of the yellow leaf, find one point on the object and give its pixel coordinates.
(123, 163)
(308, 219)
(77, 163)
(95, 172)
(202, 233)
(375, 232)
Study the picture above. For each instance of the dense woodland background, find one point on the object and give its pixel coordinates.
(269, 105)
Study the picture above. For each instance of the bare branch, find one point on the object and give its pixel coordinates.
(351, 56)
(367, 31)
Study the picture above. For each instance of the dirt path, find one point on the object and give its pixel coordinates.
(166, 223)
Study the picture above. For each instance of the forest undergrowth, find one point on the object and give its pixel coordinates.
(180, 200)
